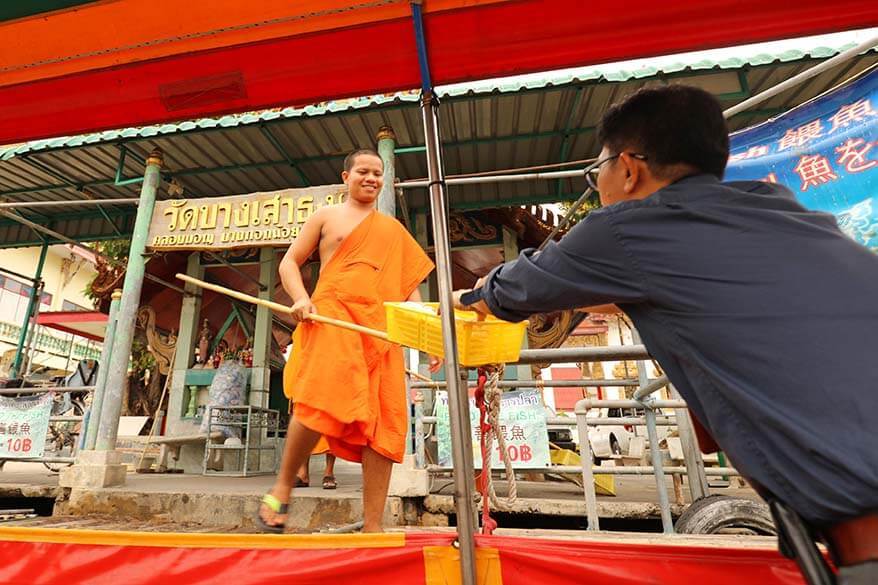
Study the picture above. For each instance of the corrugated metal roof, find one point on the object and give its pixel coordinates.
(493, 125)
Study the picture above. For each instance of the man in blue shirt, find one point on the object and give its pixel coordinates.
(762, 313)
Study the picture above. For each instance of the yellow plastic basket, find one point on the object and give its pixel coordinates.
(492, 341)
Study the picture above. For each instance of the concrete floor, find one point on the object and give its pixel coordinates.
(230, 502)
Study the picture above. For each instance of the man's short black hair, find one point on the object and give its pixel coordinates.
(351, 158)
(679, 128)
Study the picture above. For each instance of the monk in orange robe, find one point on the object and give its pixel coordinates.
(347, 386)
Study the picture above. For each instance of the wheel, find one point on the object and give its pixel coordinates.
(718, 514)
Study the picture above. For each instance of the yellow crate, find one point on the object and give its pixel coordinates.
(492, 341)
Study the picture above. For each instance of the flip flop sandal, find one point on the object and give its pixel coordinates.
(329, 482)
(300, 483)
(275, 506)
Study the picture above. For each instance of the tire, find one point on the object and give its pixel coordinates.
(718, 514)
(615, 448)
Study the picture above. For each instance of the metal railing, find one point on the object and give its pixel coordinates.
(651, 419)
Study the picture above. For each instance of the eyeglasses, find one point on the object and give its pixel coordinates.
(592, 172)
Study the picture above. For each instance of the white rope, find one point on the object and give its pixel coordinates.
(492, 406)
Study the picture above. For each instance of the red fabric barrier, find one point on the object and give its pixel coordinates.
(504, 38)
(528, 561)
(72, 563)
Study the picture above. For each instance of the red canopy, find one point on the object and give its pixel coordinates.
(125, 63)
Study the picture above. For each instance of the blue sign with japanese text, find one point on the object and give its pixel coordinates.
(824, 151)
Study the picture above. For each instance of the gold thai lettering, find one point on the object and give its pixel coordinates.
(207, 220)
(304, 209)
(189, 218)
(174, 212)
(271, 210)
(242, 215)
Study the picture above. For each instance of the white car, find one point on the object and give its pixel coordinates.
(609, 440)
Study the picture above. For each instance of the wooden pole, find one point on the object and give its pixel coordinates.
(279, 308)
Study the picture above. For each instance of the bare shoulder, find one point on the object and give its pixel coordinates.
(322, 215)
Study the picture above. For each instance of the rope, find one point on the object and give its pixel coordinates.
(487, 396)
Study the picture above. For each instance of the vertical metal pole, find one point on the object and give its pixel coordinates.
(260, 371)
(691, 455)
(33, 337)
(458, 397)
(585, 456)
(386, 145)
(127, 315)
(654, 451)
(420, 449)
(97, 401)
(30, 314)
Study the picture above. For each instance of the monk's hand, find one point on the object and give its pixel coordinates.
(302, 308)
(435, 363)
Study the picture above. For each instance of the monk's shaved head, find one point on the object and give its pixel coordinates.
(351, 159)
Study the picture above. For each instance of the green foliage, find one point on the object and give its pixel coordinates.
(593, 202)
(116, 251)
(141, 360)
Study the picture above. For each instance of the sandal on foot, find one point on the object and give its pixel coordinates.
(329, 482)
(275, 506)
(301, 482)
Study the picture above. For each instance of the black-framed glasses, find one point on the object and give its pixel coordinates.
(592, 172)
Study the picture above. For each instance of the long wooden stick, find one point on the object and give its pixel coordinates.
(279, 308)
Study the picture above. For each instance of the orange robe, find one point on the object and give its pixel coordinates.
(348, 386)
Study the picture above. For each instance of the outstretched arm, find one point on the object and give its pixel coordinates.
(587, 268)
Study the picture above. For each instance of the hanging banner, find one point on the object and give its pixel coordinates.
(825, 152)
(522, 422)
(24, 423)
(269, 218)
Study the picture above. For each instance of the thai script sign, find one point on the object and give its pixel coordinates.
(522, 422)
(24, 423)
(271, 218)
(826, 152)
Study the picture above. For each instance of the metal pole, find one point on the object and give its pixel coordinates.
(32, 305)
(587, 460)
(31, 348)
(698, 487)
(583, 354)
(97, 401)
(386, 145)
(549, 384)
(803, 76)
(458, 396)
(516, 178)
(66, 202)
(650, 387)
(44, 230)
(654, 451)
(127, 315)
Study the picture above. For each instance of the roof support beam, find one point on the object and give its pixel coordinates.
(44, 230)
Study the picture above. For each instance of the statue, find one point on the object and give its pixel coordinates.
(203, 343)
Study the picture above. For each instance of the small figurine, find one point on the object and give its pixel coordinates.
(203, 343)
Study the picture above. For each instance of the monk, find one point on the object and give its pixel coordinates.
(347, 386)
(303, 476)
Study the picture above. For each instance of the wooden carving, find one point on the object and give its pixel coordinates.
(162, 348)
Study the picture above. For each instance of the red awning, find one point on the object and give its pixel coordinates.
(116, 64)
(89, 324)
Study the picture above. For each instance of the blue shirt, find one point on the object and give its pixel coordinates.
(762, 313)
